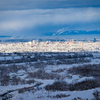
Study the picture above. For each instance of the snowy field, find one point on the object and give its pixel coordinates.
(50, 75)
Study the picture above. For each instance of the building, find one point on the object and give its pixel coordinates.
(94, 40)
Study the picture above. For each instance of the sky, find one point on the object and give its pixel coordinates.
(35, 18)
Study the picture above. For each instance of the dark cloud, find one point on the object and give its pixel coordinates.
(46, 4)
(37, 17)
(39, 21)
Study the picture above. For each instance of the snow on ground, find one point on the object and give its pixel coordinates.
(45, 82)
(10, 57)
(43, 95)
(4, 89)
(96, 54)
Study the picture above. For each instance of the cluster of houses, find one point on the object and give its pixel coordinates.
(48, 46)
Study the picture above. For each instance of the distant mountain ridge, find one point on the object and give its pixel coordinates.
(2, 36)
(73, 32)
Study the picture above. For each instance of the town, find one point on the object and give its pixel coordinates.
(48, 46)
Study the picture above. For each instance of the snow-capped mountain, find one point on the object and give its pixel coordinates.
(75, 32)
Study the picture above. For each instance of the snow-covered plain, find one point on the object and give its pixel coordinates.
(23, 66)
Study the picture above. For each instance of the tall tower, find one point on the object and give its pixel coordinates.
(94, 40)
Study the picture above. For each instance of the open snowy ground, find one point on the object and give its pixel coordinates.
(50, 76)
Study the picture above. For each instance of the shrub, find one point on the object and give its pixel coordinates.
(96, 95)
(63, 86)
(84, 85)
(86, 70)
(57, 86)
(60, 96)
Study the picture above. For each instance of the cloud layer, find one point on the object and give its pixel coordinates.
(46, 4)
(46, 20)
